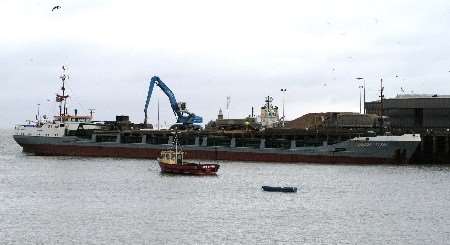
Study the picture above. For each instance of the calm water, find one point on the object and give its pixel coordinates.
(69, 200)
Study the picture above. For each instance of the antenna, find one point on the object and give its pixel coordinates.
(91, 112)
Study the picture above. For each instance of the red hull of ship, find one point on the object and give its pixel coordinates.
(189, 168)
(127, 152)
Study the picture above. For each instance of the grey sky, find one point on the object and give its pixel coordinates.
(207, 50)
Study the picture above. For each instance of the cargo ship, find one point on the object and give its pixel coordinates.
(75, 135)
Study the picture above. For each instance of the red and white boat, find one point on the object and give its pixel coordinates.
(172, 161)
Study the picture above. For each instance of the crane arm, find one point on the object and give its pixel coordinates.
(173, 101)
(147, 101)
(182, 115)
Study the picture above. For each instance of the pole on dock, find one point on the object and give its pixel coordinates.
(158, 114)
(381, 106)
(284, 93)
(364, 94)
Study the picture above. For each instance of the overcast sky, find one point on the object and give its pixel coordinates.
(208, 50)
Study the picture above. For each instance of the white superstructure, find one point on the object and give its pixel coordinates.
(48, 129)
(269, 114)
(56, 128)
(61, 123)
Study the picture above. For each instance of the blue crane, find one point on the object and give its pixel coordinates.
(183, 116)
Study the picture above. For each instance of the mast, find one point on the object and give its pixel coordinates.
(91, 112)
(62, 99)
(63, 78)
(176, 147)
(381, 106)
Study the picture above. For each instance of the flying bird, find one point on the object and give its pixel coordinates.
(56, 7)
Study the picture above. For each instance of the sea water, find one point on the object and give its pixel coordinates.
(79, 200)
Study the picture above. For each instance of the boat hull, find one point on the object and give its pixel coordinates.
(279, 189)
(354, 153)
(189, 168)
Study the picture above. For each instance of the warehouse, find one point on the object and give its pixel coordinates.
(414, 111)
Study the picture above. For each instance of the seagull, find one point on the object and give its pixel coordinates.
(56, 7)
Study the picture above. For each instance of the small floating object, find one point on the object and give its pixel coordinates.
(279, 189)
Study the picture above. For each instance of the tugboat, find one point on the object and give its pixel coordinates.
(172, 161)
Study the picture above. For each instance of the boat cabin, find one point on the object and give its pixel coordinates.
(171, 157)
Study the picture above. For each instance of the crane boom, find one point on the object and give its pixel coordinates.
(183, 116)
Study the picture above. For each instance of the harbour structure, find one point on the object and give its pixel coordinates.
(247, 123)
(424, 114)
(413, 111)
(350, 120)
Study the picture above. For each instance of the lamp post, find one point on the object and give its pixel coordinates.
(364, 94)
(360, 87)
(284, 92)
